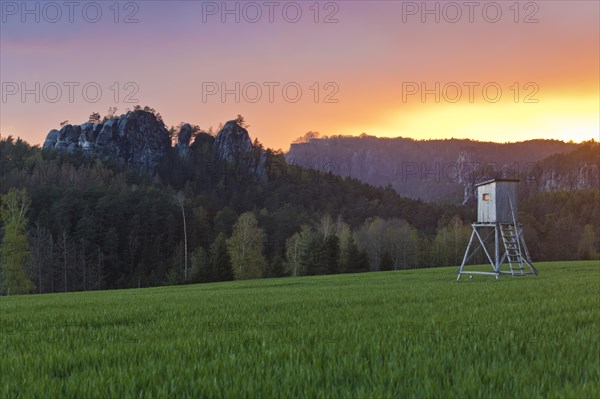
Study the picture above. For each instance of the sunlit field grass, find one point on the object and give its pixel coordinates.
(402, 334)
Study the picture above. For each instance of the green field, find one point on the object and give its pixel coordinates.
(394, 334)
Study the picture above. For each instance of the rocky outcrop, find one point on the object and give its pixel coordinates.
(465, 176)
(87, 138)
(137, 139)
(51, 140)
(183, 140)
(584, 177)
(578, 170)
(232, 142)
(68, 137)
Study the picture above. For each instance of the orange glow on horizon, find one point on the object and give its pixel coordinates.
(370, 54)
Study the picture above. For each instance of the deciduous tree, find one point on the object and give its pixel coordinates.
(246, 248)
(588, 245)
(292, 254)
(14, 249)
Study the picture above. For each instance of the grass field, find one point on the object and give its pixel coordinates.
(394, 334)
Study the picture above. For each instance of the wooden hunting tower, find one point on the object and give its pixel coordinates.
(497, 217)
(494, 199)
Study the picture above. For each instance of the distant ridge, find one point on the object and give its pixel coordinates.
(442, 170)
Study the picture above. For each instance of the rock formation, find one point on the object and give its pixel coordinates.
(140, 140)
(233, 142)
(183, 140)
(137, 139)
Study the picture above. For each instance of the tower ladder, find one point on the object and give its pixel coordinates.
(512, 245)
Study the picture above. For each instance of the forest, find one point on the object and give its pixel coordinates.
(70, 222)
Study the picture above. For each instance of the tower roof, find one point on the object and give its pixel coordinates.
(483, 183)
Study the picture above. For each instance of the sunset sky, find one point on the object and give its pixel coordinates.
(368, 61)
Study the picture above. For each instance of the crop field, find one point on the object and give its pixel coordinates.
(414, 333)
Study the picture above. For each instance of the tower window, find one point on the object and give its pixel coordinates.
(486, 197)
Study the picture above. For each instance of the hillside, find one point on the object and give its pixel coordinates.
(440, 170)
(114, 204)
(380, 335)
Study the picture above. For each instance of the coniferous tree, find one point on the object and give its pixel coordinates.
(201, 270)
(331, 264)
(220, 260)
(311, 251)
(360, 260)
(387, 263)
(276, 266)
(41, 244)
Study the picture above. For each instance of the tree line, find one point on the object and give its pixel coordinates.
(69, 223)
